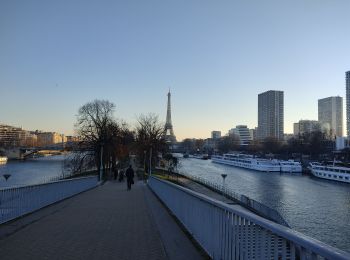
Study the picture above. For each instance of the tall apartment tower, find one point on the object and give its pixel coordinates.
(330, 115)
(271, 115)
(347, 80)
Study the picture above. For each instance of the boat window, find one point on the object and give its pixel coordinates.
(329, 175)
(340, 177)
(335, 176)
(346, 178)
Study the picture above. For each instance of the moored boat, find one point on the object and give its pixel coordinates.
(248, 162)
(3, 159)
(257, 164)
(291, 166)
(200, 156)
(330, 172)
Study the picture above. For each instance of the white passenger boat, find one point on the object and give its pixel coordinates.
(247, 162)
(291, 166)
(3, 159)
(330, 172)
(257, 164)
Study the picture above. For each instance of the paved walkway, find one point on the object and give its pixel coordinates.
(108, 222)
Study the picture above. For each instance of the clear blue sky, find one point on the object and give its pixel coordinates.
(216, 56)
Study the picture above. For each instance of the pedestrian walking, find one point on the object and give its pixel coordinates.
(129, 177)
(115, 173)
(121, 176)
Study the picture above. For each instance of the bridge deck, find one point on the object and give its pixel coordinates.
(108, 222)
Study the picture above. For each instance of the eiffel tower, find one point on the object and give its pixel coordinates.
(168, 128)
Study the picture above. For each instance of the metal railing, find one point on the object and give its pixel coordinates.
(252, 204)
(18, 201)
(242, 199)
(231, 232)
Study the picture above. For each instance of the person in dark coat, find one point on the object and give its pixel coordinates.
(115, 173)
(129, 177)
(121, 175)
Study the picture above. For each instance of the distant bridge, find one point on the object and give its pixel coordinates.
(24, 152)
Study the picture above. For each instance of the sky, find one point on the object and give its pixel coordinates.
(215, 56)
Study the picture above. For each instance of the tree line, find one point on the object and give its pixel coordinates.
(107, 142)
(313, 144)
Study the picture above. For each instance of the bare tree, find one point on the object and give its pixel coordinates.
(271, 145)
(150, 141)
(199, 145)
(102, 136)
(228, 143)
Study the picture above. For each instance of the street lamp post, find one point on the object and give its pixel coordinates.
(6, 176)
(144, 165)
(150, 162)
(223, 183)
(101, 163)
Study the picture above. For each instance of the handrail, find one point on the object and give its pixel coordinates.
(18, 201)
(244, 200)
(45, 183)
(302, 244)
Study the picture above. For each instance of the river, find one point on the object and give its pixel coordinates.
(31, 171)
(312, 206)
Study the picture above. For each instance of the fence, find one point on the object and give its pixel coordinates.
(254, 205)
(244, 200)
(15, 202)
(229, 232)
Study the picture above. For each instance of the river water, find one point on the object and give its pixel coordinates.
(31, 171)
(315, 207)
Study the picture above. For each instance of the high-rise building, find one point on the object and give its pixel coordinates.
(271, 114)
(215, 134)
(330, 115)
(347, 80)
(306, 126)
(243, 132)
